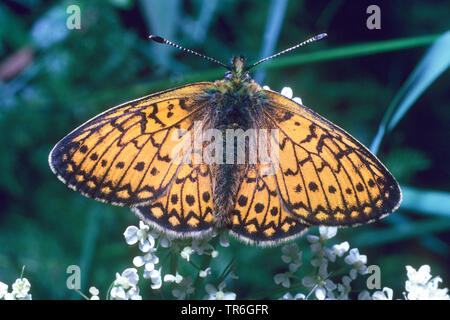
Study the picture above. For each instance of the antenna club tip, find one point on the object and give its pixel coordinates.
(320, 36)
(156, 38)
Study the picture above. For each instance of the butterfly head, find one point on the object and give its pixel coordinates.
(237, 72)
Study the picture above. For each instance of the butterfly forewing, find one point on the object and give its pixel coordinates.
(325, 176)
(123, 156)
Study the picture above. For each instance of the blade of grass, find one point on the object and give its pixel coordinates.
(350, 51)
(428, 202)
(201, 26)
(400, 232)
(161, 18)
(429, 241)
(433, 64)
(277, 10)
(89, 243)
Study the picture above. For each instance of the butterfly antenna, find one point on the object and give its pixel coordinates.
(170, 43)
(313, 39)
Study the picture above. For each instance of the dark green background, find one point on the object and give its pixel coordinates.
(52, 79)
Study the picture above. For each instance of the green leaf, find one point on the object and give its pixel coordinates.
(432, 65)
(356, 50)
(426, 201)
(400, 232)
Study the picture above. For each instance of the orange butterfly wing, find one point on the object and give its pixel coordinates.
(324, 175)
(259, 215)
(123, 156)
(187, 207)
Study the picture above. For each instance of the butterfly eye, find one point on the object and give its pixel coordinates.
(228, 75)
(247, 76)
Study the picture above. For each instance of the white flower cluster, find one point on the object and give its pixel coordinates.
(218, 294)
(318, 280)
(288, 93)
(419, 286)
(20, 290)
(125, 286)
(149, 243)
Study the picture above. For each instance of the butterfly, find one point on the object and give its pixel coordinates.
(145, 154)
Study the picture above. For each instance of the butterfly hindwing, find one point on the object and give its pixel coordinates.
(325, 176)
(259, 215)
(187, 207)
(123, 156)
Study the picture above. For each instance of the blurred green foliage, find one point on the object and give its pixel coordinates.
(52, 79)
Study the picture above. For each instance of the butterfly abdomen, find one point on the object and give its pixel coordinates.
(233, 114)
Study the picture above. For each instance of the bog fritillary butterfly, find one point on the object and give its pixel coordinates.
(322, 176)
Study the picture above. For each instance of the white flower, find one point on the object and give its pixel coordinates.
(218, 294)
(177, 278)
(94, 293)
(317, 262)
(149, 260)
(327, 233)
(287, 92)
(204, 273)
(364, 295)
(385, 294)
(298, 100)
(9, 296)
(3, 289)
(214, 254)
(146, 240)
(320, 287)
(344, 288)
(118, 293)
(184, 289)
(20, 289)
(201, 246)
(133, 294)
(420, 286)
(233, 275)
(357, 261)
(337, 250)
(312, 238)
(155, 276)
(291, 254)
(164, 240)
(420, 276)
(186, 253)
(125, 285)
(320, 284)
(288, 296)
(283, 278)
(224, 240)
(128, 278)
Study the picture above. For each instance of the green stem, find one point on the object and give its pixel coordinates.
(205, 263)
(108, 297)
(227, 270)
